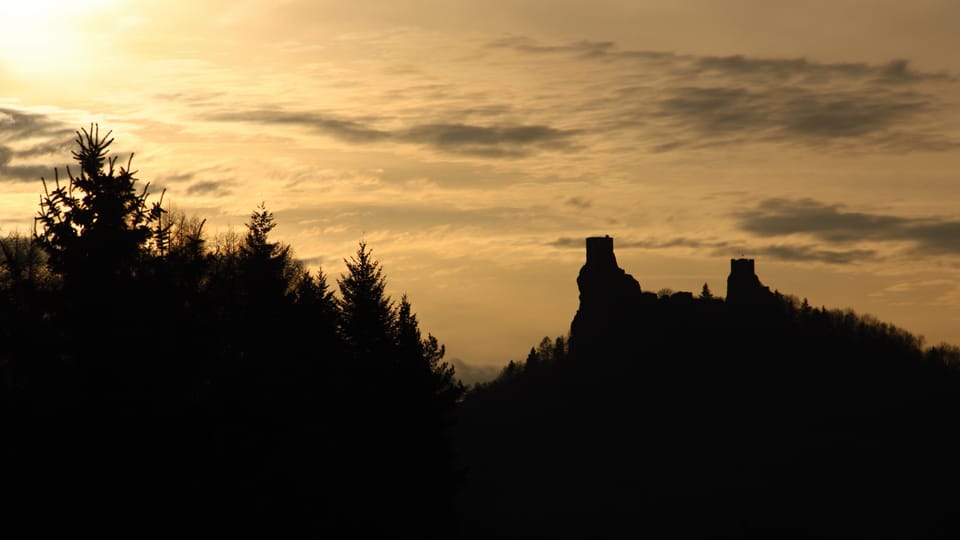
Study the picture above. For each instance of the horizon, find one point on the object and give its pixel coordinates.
(474, 146)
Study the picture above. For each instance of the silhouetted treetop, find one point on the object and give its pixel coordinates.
(367, 313)
(98, 224)
(256, 243)
(706, 292)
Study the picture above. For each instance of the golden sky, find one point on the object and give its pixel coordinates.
(474, 144)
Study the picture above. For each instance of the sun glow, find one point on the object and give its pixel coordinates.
(39, 35)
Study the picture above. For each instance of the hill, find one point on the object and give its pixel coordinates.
(751, 416)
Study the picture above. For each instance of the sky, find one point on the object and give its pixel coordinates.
(475, 144)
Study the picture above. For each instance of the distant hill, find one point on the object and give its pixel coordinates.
(749, 416)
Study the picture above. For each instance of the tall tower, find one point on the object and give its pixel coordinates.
(608, 297)
(600, 251)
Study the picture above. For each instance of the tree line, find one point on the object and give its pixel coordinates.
(155, 383)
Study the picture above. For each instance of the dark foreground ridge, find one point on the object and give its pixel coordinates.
(675, 416)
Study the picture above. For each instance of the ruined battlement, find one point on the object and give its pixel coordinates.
(743, 267)
(743, 285)
(600, 251)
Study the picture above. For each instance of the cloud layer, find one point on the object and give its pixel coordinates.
(833, 224)
(26, 136)
(507, 140)
(690, 102)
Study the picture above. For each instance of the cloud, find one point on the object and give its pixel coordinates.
(211, 187)
(491, 141)
(315, 261)
(177, 178)
(894, 71)
(528, 45)
(680, 101)
(916, 292)
(846, 114)
(583, 49)
(709, 116)
(18, 124)
(59, 147)
(414, 216)
(345, 130)
(807, 253)
(504, 140)
(828, 222)
(20, 172)
(566, 242)
(27, 134)
(832, 223)
(190, 98)
(578, 202)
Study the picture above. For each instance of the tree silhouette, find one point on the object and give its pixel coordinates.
(706, 293)
(423, 368)
(149, 380)
(264, 264)
(97, 226)
(403, 403)
(367, 314)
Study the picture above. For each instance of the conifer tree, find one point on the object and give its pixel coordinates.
(706, 293)
(316, 314)
(405, 401)
(97, 226)
(264, 262)
(421, 362)
(367, 314)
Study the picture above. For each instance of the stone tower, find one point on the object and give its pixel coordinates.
(609, 297)
(743, 285)
(600, 251)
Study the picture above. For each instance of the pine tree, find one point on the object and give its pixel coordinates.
(706, 293)
(98, 232)
(421, 363)
(404, 399)
(316, 314)
(367, 314)
(264, 263)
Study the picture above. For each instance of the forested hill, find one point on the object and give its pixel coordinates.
(156, 384)
(751, 416)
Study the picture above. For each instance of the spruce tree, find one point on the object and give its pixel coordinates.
(264, 263)
(97, 226)
(404, 398)
(367, 314)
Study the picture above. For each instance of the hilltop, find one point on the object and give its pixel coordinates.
(753, 415)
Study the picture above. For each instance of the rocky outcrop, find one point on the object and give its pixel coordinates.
(609, 297)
